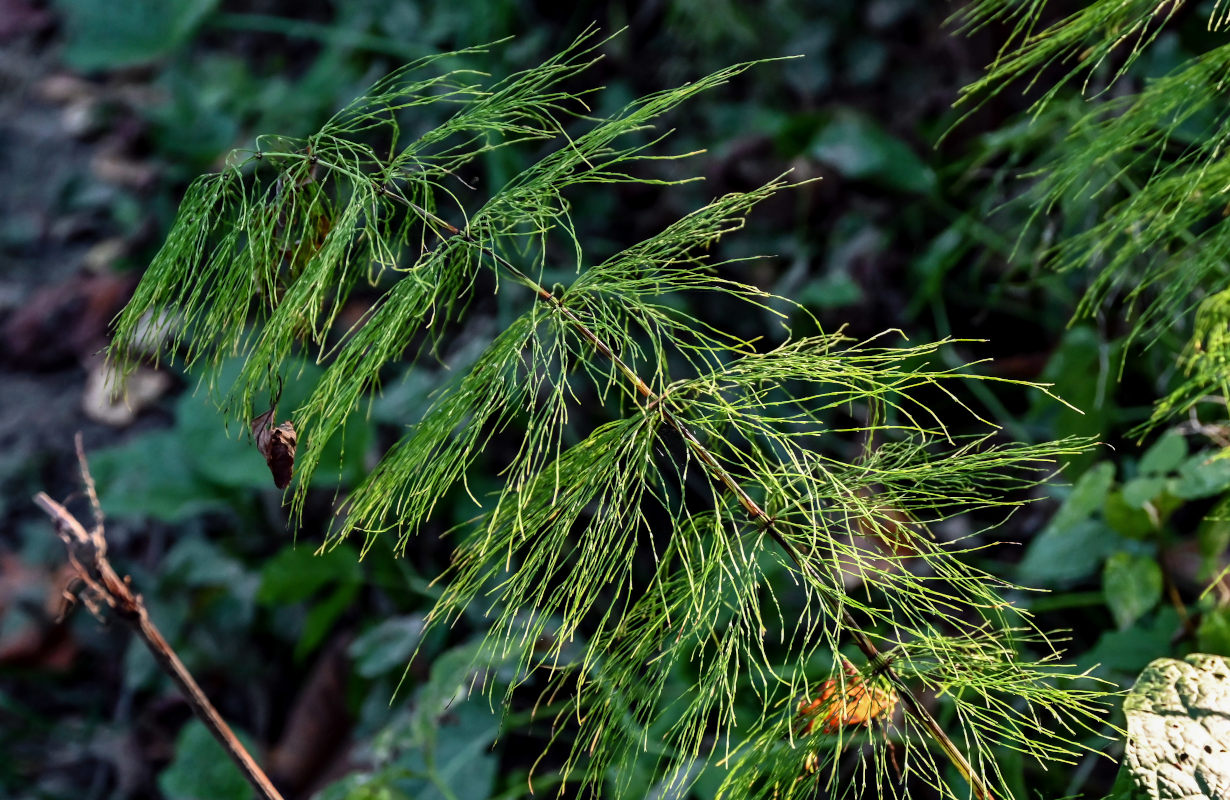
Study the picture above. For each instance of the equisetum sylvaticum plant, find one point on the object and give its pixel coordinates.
(1140, 177)
(754, 517)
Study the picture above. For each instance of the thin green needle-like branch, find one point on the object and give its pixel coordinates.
(722, 475)
(610, 562)
(1135, 177)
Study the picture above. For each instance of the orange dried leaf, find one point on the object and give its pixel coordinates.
(840, 704)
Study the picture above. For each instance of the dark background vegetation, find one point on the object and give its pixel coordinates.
(109, 109)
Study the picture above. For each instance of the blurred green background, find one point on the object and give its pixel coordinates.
(111, 107)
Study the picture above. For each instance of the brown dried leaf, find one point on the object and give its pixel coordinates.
(277, 445)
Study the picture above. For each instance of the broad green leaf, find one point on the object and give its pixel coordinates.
(1202, 475)
(223, 591)
(1213, 535)
(1140, 491)
(1133, 585)
(386, 646)
(931, 267)
(454, 762)
(1213, 635)
(197, 122)
(297, 572)
(1087, 496)
(449, 759)
(1177, 730)
(1165, 455)
(319, 620)
(201, 769)
(1131, 649)
(152, 476)
(225, 458)
(379, 785)
(196, 561)
(461, 758)
(857, 147)
(1079, 370)
(449, 683)
(222, 450)
(1125, 518)
(833, 290)
(106, 34)
(676, 784)
(1061, 556)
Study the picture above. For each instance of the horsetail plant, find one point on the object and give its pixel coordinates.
(1138, 182)
(755, 517)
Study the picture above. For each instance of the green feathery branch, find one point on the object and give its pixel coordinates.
(754, 511)
(778, 546)
(1139, 180)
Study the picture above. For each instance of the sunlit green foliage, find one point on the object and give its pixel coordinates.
(1144, 158)
(750, 510)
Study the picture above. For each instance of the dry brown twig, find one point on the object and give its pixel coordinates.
(87, 553)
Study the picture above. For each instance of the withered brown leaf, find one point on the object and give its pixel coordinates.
(277, 445)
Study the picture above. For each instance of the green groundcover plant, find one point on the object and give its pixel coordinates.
(757, 516)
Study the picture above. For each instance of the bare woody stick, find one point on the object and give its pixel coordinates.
(87, 553)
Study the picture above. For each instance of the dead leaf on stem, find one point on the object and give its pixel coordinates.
(277, 445)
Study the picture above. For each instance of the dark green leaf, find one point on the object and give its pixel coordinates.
(195, 561)
(833, 290)
(297, 572)
(462, 758)
(1087, 496)
(1213, 535)
(386, 646)
(1080, 375)
(1140, 491)
(1062, 556)
(202, 770)
(379, 785)
(1213, 635)
(222, 449)
(931, 267)
(1202, 475)
(225, 458)
(1131, 649)
(106, 35)
(1133, 586)
(857, 147)
(1126, 519)
(152, 476)
(1165, 455)
(320, 619)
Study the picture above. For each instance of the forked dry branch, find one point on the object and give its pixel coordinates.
(102, 585)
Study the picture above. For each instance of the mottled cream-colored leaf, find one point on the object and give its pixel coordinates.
(1179, 729)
